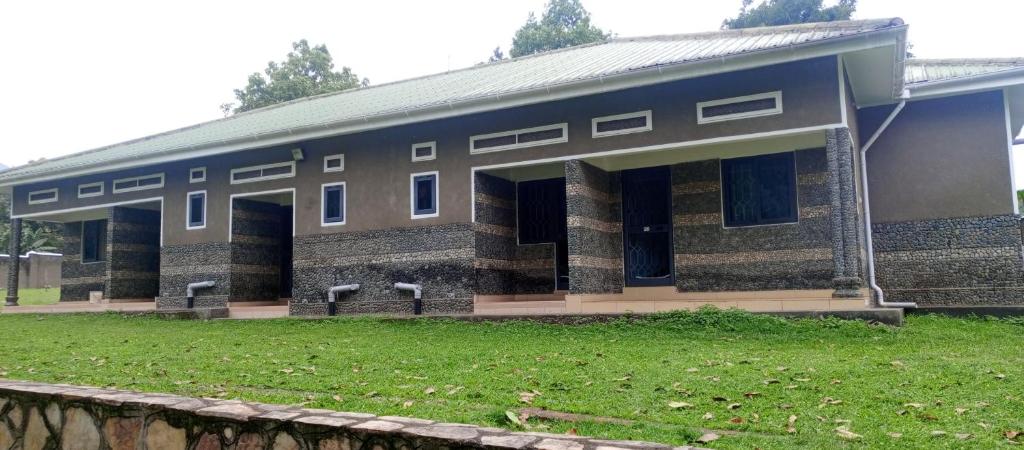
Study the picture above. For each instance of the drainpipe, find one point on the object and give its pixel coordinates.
(190, 291)
(1018, 141)
(867, 208)
(417, 296)
(332, 296)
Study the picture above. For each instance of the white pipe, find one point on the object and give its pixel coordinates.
(417, 290)
(190, 291)
(332, 293)
(1018, 141)
(867, 208)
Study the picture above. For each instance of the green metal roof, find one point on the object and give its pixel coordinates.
(920, 71)
(482, 84)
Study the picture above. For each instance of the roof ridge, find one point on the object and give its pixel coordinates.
(881, 23)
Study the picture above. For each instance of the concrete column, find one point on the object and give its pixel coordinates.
(14, 268)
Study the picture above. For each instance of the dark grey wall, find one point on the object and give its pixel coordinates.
(946, 157)
(78, 278)
(133, 254)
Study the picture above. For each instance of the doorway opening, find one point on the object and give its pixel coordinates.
(647, 226)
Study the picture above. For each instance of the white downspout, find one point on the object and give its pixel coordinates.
(867, 208)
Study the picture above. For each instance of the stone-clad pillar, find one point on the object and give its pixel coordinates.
(594, 210)
(842, 184)
(14, 267)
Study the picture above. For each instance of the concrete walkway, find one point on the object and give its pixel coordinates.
(81, 307)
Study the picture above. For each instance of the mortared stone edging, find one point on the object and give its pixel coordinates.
(59, 416)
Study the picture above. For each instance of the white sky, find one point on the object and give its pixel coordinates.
(79, 75)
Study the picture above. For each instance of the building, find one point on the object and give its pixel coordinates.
(637, 174)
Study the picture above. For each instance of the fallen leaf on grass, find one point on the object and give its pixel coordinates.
(913, 405)
(692, 369)
(736, 420)
(846, 434)
(407, 403)
(751, 394)
(337, 398)
(960, 411)
(512, 417)
(1011, 435)
(895, 435)
(963, 436)
(791, 425)
(734, 406)
(719, 399)
(429, 390)
(708, 437)
(771, 381)
(938, 433)
(679, 405)
(708, 416)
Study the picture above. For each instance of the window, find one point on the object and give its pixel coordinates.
(94, 234)
(90, 190)
(332, 204)
(759, 190)
(423, 192)
(757, 105)
(424, 151)
(44, 196)
(142, 183)
(196, 212)
(263, 173)
(334, 163)
(637, 122)
(197, 175)
(528, 137)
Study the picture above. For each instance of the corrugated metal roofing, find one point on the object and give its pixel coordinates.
(932, 70)
(557, 68)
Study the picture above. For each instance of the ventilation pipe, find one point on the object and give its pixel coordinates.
(332, 296)
(190, 291)
(867, 208)
(417, 295)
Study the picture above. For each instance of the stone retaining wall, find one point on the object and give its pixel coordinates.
(43, 416)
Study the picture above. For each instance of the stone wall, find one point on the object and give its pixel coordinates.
(956, 261)
(184, 264)
(36, 270)
(439, 257)
(78, 278)
(42, 416)
(256, 250)
(133, 254)
(709, 257)
(594, 209)
(502, 266)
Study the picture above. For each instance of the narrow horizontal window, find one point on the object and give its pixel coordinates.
(196, 210)
(90, 190)
(332, 203)
(142, 183)
(334, 163)
(263, 173)
(44, 196)
(94, 236)
(637, 122)
(423, 194)
(766, 104)
(528, 137)
(197, 175)
(759, 190)
(424, 151)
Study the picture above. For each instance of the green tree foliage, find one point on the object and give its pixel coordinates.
(307, 71)
(565, 23)
(785, 12)
(497, 55)
(38, 236)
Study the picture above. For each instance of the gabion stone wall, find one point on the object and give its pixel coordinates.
(710, 257)
(133, 254)
(502, 265)
(77, 278)
(439, 257)
(594, 209)
(191, 263)
(42, 416)
(256, 250)
(958, 261)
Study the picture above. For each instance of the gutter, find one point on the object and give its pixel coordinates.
(867, 208)
(643, 77)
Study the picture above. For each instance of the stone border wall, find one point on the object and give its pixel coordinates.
(710, 257)
(44, 416)
(957, 261)
(37, 270)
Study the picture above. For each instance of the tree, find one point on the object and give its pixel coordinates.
(307, 71)
(785, 12)
(565, 23)
(497, 55)
(38, 236)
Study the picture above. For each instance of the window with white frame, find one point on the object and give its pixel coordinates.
(423, 195)
(196, 210)
(263, 172)
(94, 237)
(197, 175)
(332, 204)
(757, 105)
(154, 181)
(43, 196)
(527, 137)
(636, 122)
(90, 189)
(334, 163)
(424, 151)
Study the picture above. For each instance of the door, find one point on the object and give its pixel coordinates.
(647, 226)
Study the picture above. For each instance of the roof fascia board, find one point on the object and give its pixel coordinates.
(967, 85)
(640, 78)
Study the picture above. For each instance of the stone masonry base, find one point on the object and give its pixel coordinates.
(45, 416)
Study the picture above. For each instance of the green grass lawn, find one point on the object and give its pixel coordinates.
(674, 375)
(30, 297)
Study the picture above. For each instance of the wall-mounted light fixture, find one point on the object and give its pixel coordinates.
(297, 154)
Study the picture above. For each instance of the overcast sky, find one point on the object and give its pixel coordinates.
(83, 74)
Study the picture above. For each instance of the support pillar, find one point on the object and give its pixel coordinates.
(846, 241)
(14, 268)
